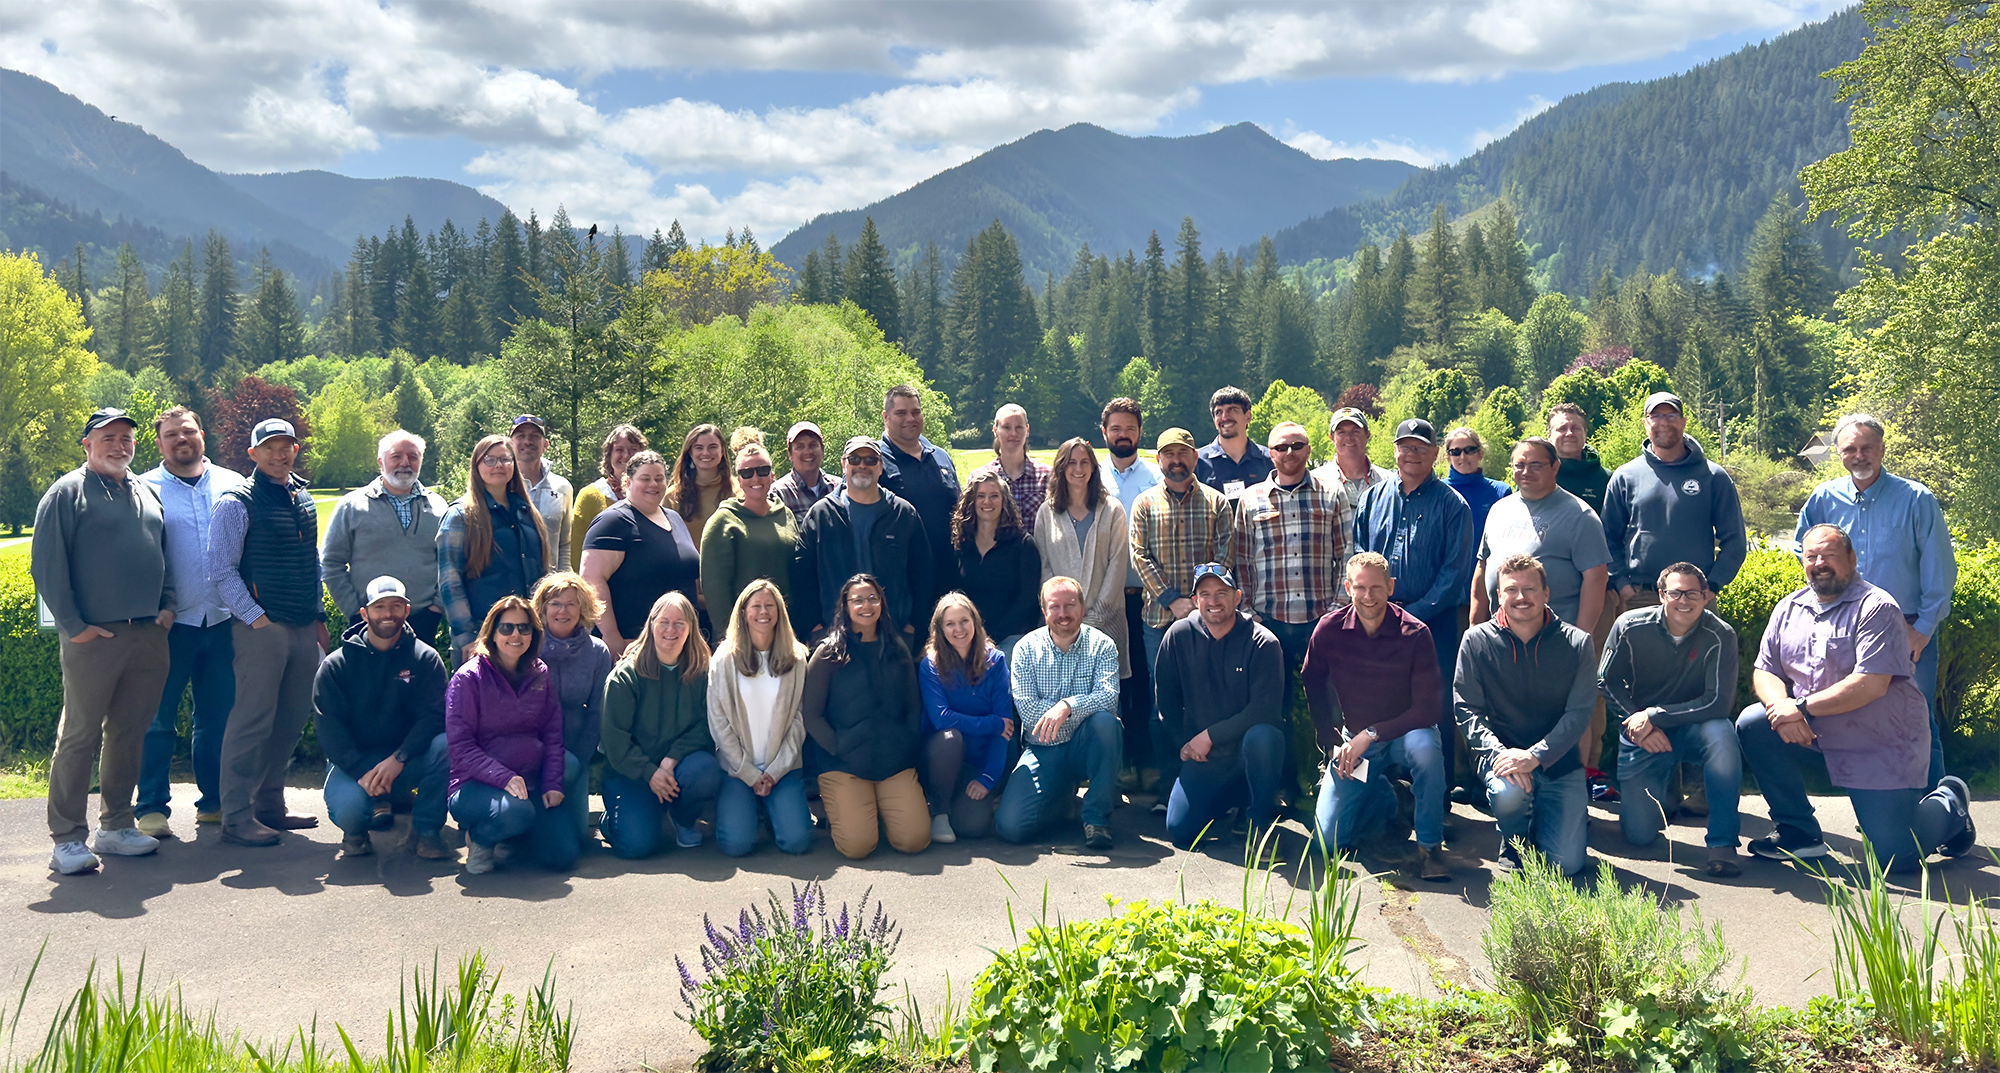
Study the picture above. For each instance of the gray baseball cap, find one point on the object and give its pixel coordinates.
(272, 426)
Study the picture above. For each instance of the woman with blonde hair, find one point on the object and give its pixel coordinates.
(659, 758)
(503, 728)
(697, 485)
(968, 720)
(752, 534)
(620, 444)
(491, 543)
(1080, 531)
(578, 663)
(756, 687)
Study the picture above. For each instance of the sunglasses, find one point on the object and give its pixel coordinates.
(863, 460)
(1287, 448)
(1461, 452)
(502, 629)
(748, 472)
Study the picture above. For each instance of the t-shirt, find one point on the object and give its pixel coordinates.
(1082, 525)
(760, 704)
(864, 516)
(656, 560)
(1560, 530)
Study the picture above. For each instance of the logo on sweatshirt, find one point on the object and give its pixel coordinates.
(1690, 487)
(403, 674)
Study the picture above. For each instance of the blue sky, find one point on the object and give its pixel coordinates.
(765, 113)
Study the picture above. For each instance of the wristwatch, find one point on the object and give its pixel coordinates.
(402, 756)
(1800, 703)
(1373, 734)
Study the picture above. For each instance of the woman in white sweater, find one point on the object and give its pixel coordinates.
(755, 682)
(1080, 532)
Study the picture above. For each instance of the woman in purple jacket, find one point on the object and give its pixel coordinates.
(503, 721)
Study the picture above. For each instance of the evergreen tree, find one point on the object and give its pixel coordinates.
(811, 288)
(129, 316)
(215, 334)
(535, 264)
(677, 241)
(1508, 287)
(1398, 268)
(923, 311)
(656, 255)
(358, 316)
(831, 261)
(174, 340)
(1153, 332)
(991, 326)
(618, 261)
(78, 285)
(462, 325)
(1437, 289)
(1476, 265)
(869, 281)
(509, 299)
(416, 407)
(271, 328)
(417, 315)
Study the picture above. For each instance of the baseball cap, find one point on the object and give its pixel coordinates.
(110, 415)
(803, 427)
(855, 443)
(1174, 437)
(1416, 428)
(531, 419)
(1659, 398)
(383, 588)
(269, 427)
(1346, 414)
(1215, 570)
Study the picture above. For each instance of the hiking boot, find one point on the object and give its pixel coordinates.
(478, 859)
(1430, 864)
(432, 848)
(352, 846)
(941, 829)
(249, 833)
(155, 824)
(123, 842)
(1096, 836)
(1773, 847)
(1723, 862)
(71, 858)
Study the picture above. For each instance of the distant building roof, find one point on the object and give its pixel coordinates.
(1818, 449)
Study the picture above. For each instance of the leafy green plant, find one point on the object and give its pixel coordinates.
(795, 989)
(1654, 1039)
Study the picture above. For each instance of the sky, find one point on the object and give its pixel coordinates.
(765, 113)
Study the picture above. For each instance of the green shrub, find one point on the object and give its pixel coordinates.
(1612, 971)
(1769, 574)
(30, 665)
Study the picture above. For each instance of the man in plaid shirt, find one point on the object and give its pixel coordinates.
(1176, 526)
(1294, 532)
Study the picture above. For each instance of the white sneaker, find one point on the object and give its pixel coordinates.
(941, 829)
(124, 842)
(155, 824)
(72, 857)
(478, 858)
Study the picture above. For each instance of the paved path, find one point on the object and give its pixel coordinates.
(272, 937)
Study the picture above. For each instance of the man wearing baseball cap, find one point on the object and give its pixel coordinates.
(1424, 529)
(805, 484)
(99, 561)
(264, 557)
(1221, 694)
(861, 529)
(379, 704)
(548, 490)
(1350, 471)
(1669, 505)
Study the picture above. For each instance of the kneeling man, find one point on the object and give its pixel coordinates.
(379, 702)
(1526, 683)
(1065, 683)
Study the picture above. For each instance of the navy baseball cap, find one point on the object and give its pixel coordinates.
(271, 427)
(110, 415)
(1217, 571)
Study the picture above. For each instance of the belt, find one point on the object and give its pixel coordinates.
(1134, 590)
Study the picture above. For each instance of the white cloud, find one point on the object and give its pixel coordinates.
(268, 87)
(1536, 105)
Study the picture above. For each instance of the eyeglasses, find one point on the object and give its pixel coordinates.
(502, 629)
(1530, 467)
(1682, 596)
(496, 461)
(748, 472)
(1461, 452)
(1287, 448)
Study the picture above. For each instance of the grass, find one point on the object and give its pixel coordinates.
(23, 776)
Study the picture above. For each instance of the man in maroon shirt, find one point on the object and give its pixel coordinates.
(1371, 677)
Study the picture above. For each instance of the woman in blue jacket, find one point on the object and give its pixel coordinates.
(968, 721)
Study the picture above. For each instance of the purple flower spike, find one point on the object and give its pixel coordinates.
(687, 978)
(714, 937)
(743, 931)
(840, 929)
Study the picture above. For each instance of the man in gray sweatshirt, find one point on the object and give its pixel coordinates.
(387, 528)
(1670, 505)
(99, 561)
(1670, 674)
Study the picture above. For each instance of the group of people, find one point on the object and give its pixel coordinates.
(934, 659)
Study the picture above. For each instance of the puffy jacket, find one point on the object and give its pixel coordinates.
(497, 730)
(864, 712)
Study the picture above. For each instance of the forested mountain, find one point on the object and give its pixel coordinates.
(344, 207)
(1056, 190)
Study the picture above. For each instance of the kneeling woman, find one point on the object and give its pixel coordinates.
(968, 721)
(756, 683)
(864, 714)
(659, 758)
(503, 722)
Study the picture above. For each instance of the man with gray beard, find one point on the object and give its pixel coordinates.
(387, 529)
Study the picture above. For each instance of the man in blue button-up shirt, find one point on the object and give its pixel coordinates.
(199, 644)
(1901, 542)
(1424, 529)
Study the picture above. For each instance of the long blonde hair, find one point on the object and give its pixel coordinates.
(645, 657)
(944, 655)
(479, 524)
(786, 651)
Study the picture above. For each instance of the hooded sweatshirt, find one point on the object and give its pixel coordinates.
(498, 730)
(1585, 478)
(1223, 685)
(1535, 695)
(369, 704)
(1659, 513)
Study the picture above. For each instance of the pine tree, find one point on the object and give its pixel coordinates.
(1437, 289)
(655, 256)
(869, 281)
(359, 311)
(618, 261)
(271, 326)
(677, 240)
(129, 317)
(1509, 288)
(215, 338)
(508, 300)
(1153, 331)
(992, 325)
(462, 337)
(417, 315)
(811, 287)
(174, 341)
(831, 261)
(1398, 268)
(923, 311)
(1476, 266)
(78, 284)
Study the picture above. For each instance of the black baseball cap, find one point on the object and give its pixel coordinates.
(1416, 428)
(110, 415)
(1217, 571)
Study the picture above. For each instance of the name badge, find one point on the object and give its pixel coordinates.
(1233, 489)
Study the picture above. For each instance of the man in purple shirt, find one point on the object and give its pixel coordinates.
(1833, 677)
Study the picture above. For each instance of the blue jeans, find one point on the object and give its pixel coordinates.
(490, 816)
(1445, 635)
(1926, 679)
(1643, 776)
(632, 814)
(1046, 775)
(1166, 752)
(1902, 826)
(351, 808)
(1556, 811)
(206, 657)
(736, 815)
(1348, 808)
(1205, 789)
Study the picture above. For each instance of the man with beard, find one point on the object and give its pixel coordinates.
(1176, 526)
(1833, 677)
(548, 490)
(861, 529)
(1064, 680)
(388, 529)
(1127, 475)
(1232, 461)
(199, 643)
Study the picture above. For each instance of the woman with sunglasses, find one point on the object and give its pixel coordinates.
(1467, 452)
(491, 543)
(660, 760)
(865, 716)
(503, 724)
(752, 534)
(637, 550)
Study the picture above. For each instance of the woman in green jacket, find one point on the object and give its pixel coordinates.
(660, 758)
(751, 535)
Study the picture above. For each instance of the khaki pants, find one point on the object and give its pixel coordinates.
(1614, 606)
(857, 809)
(111, 688)
(274, 679)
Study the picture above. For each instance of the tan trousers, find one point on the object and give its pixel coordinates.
(857, 810)
(111, 690)
(1614, 606)
(275, 667)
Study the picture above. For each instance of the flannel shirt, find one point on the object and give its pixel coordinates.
(1042, 676)
(1292, 546)
(800, 496)
(1173, 534)
(1029, 491)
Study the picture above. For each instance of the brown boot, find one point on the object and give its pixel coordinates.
(1430, 864)
(249, 833)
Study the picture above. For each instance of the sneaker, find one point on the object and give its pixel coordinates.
(941, 829)
(432, 848)
(352, 846)
(502, 851)
(478, 858)
(383, 818)
(212, 818)
(687, 837)
(1096, 836)
(71, 858)
(156, 825)
(1601, 790)
(1509, 861)
(1773, 848)
(1967, 840)
(124, 842)
(1430, 864)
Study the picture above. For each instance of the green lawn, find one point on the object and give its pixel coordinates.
(969, 460)
(24, 776)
